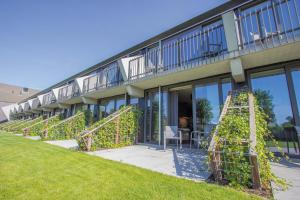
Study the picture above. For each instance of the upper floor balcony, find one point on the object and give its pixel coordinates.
(36, 104)
(200, 45)
(106, 77)
(48, 99)
(69, 93)
(258, 33)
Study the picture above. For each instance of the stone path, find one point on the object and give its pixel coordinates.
(289, 170)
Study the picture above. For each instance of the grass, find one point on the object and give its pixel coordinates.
(36, 170)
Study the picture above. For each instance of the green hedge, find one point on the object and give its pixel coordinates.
(70, 128)
(37, 128)
(105, 137)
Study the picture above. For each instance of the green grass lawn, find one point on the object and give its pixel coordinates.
(36, 170)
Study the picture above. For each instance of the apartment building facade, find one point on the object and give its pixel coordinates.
(182, 76)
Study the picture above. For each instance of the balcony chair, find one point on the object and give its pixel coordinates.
(172, 133)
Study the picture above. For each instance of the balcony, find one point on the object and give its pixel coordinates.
(94, 86)
(36, 104)
(257, 33)
(268, 25)
(200, 47)
(49, 100)
(69, 94)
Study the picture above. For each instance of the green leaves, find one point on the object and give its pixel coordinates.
(68, 129)
(118, 132)
(233, 139)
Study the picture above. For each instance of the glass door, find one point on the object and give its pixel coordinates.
(152, 117)
(271, 91)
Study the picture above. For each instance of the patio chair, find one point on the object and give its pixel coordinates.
(202, 138)
(173, 133)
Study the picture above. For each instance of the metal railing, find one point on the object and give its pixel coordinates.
(35, 103)
(198, 48)
(48, 99)
(68, 92)
(269, 24)
(108, 77)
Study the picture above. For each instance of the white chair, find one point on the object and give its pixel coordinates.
(172, 133)
(202, 138)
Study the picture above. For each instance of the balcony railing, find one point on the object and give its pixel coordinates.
(269, 24)
(68, 92)
(48, 99)
(201, 47)
(108, 77)
(35, 103)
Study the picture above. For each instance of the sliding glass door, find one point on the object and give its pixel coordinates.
(152, 117)
(272, 91)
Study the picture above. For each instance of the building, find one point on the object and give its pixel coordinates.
(9, 96)
(182, 76)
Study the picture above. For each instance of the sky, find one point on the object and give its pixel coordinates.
(43, 42)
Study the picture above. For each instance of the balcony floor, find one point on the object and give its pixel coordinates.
(184, 163)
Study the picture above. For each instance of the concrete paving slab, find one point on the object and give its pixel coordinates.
(68, 144)
(289, 170)
(184, 163)
(33, 137)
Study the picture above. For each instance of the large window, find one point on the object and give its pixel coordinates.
(271, 91)
(209, 98)
(296, 82)
(207, 105)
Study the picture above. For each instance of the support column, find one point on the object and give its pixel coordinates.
(237, 70)
(230, 31)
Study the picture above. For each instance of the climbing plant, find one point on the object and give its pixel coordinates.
(67, 129)
(20, 127)
(233, 139)
(117, 131)
(37, 128)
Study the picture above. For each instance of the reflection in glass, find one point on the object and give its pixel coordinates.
(133, 100)
(120, 103)
(226, 87)
(271, 91)
(207, 105)
(296, 82)
(152, 117)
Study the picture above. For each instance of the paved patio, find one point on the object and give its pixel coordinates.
(185, 163)
(289, 170)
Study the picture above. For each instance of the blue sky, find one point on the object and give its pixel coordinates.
(43, 42)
